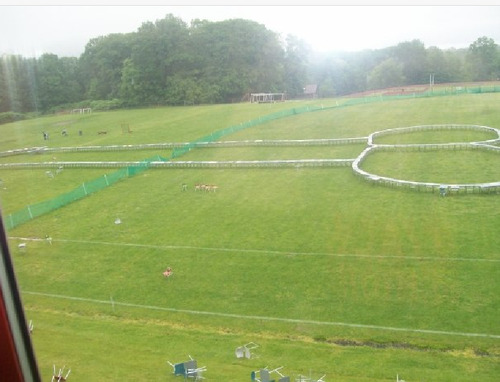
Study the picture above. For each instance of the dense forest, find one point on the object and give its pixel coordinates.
(168, 62)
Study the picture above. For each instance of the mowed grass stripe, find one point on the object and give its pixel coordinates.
(261, 251)
(263, 318)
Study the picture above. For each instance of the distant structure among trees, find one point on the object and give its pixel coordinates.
(267, 97)
(86, 110)
(311, 91)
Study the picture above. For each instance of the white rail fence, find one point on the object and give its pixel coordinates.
(172, 145)
(187, 164)
(463, 188)
(466, 188)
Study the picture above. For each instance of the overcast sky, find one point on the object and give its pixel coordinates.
(65, 29)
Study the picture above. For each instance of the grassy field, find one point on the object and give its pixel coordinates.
(327, 273)
(437, 166)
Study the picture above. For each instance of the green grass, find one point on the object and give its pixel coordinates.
(364, 119)
(348, 151)
(436, 136)
(23, 187)
(90, 156)
(155, 125)
(110, 337)
(436, 166)
(292, 259)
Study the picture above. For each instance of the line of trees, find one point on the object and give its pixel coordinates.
(171, 63)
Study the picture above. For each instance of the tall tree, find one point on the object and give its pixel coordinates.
(321, 71)
(157, 54)
(50, 81)
(18, 90)
(387, 74)
(455, 67)
(484, 60)
(129, 90)
(296, 63)
(413, 56)
(237, 57)
(57, 81)
(101, 64)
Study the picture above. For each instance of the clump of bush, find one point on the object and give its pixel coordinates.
(95, 105)
(104, 105)
(10, 116)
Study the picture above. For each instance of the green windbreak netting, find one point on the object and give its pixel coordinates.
(85, 189)
(18, 218)
(95, 185)
(116, 176)
(215, 136)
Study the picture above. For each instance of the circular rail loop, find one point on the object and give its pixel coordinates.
(491, 187)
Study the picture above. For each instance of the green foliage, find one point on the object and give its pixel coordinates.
(235, 57)
(101, 65)
(57, 81)
(484, 59)
(10, 116)
(168, 62)
(17, 86)
(104, 105)
(446, 66)
(387, 74)
(296, 62)
(413, 56)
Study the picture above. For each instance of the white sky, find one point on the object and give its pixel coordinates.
(65, 28)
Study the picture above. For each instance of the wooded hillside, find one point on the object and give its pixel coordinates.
(168, 62)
